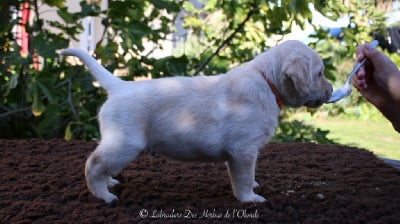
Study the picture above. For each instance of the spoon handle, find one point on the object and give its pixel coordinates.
(373, 44)
(345, 90)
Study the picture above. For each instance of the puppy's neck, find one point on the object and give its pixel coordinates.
(261, 71)
(279, 101)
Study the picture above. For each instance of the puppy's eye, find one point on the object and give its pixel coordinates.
(320, 74)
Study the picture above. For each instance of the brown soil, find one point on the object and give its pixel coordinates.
(43, 182)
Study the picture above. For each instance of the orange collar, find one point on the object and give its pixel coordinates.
(275, 92)
(279, 101)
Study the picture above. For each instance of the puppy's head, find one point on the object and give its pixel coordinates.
(301, 79)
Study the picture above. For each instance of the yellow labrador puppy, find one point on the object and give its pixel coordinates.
(225, 118)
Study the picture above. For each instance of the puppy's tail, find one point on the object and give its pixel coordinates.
(106, 79)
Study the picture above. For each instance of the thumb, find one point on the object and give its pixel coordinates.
(375, 56)
(379, 60)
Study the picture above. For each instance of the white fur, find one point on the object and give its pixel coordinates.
(228, 117)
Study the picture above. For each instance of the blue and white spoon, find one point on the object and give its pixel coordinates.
(346, 89)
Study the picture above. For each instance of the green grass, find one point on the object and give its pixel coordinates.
(375, 135)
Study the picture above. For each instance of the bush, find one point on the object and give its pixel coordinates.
(43, 96)
(297, 131)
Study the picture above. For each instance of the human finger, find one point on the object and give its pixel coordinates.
(359, 79)
(360, 55)
(360, 84)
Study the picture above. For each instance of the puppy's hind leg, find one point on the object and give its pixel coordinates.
(97, 176)
(241, 172)
(108, 159)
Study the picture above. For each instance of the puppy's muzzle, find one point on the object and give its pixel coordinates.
(313, 103)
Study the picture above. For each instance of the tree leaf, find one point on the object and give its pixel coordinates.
(37, 106)
(171, 66)
(51, 116)
(170, 6)
(56, 3)
(48, 92)
(68, 133)
(13, 81)
(89, 9)
(46, 44)
(66, 16)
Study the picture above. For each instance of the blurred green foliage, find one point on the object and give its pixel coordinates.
(55, 99)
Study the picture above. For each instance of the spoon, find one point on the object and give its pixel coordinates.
(346, 88)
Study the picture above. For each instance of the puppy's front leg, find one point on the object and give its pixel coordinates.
(112, 182)
(255, 183)
(241, 172)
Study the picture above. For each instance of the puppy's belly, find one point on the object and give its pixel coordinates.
(186, 151)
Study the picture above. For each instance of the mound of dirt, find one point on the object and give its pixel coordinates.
(43, 182)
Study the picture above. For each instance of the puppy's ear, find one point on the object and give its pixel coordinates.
(296, 71)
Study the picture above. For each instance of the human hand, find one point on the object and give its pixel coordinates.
(379, 82)
(379, 78)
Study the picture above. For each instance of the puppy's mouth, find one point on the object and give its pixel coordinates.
(313, 103)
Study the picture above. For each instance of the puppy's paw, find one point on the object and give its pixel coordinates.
(253, 198)
(112, 182)
(109, 198)
(255, 184)
(258, 198)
